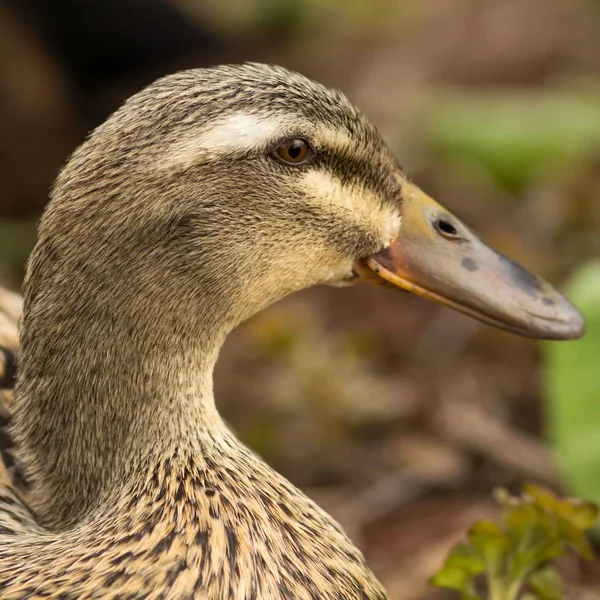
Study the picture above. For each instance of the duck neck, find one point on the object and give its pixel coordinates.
(104, 392)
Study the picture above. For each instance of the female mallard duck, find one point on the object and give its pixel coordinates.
(206, 197)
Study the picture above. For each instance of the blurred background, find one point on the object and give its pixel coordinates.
(396, 415)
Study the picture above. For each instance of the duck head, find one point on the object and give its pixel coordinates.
(237, 185)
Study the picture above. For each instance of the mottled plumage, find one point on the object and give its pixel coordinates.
(170, 225)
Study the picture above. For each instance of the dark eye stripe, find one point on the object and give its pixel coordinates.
(365, 172)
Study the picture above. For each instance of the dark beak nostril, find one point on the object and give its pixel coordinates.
(445, 228)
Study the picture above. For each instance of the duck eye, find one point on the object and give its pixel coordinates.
(294, 151)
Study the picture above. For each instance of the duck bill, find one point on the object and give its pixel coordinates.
(438, 257)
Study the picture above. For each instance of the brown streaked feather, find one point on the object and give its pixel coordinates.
(193, 528)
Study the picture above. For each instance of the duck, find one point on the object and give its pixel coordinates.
(209, 195)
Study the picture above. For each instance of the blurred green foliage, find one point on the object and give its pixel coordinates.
(360, 16)
(573, 388)
(509, 558)
(517, 136)
(17, 238)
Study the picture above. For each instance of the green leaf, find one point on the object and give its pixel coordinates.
(464, 556)
(579, 513)
(576, 539)
(543, 497)
(537, 527)
(525, 523)
(452, 578)
(525, 562)
(492, 543)
(573, 388)
(547, 584)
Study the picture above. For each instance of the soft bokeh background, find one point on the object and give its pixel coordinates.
(397, 415)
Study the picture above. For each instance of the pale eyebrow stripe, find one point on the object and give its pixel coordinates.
(241, 132)
(244, 132)
(235, 134)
